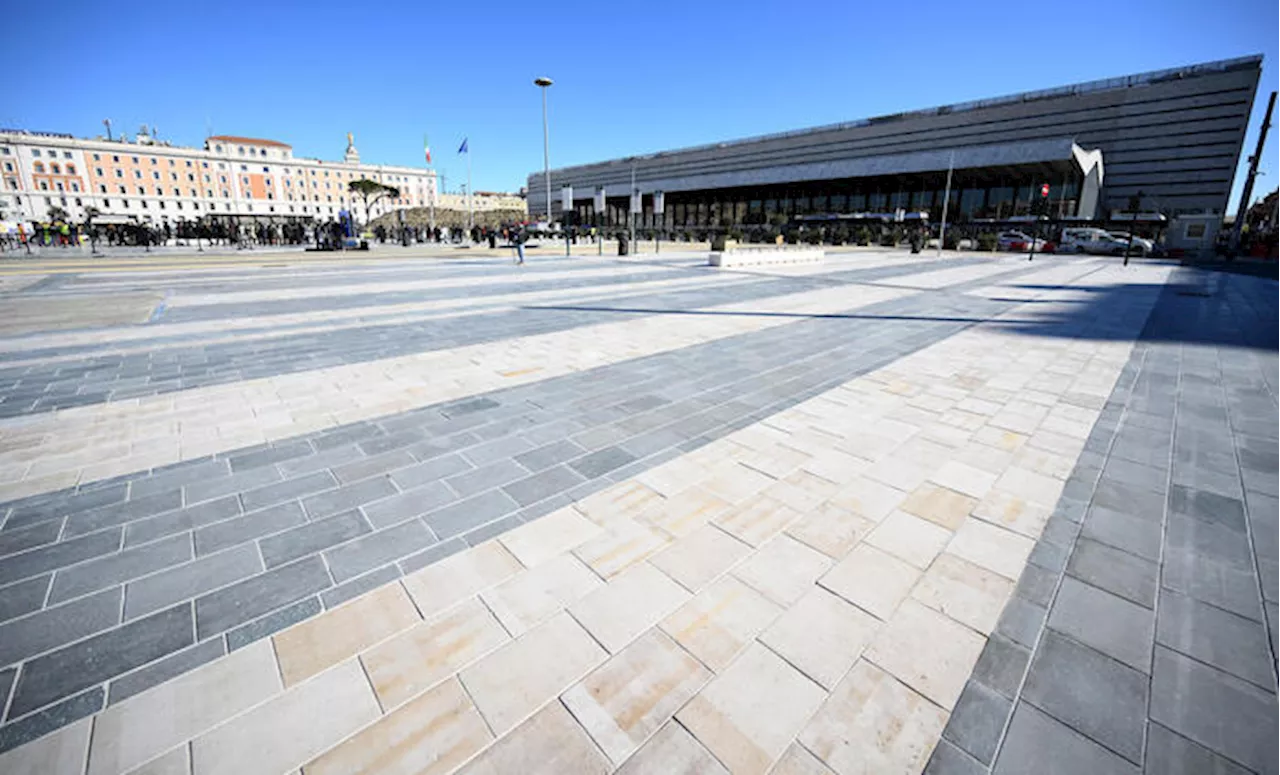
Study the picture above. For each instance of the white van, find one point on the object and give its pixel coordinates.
(1090, 240)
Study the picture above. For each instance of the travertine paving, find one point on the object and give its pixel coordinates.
(642, 517)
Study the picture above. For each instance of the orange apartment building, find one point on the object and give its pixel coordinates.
(142, 179)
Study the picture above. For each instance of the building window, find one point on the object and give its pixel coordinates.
(176, 192)
(66, 154)
(178, 205)
(266, 169)
(71, 169)
(137, 174)
(153, 161)
(119, 173)
(39, 167)
(188, 162)
(193, 192)
(115, 159)
(35, 152)
(244, 167)
(241, 149)
(106, 202)
(75, 186)
(102, 189)
(144, 204)
(135, 159)
(142, 190)
(44, 185)
(5, 150)
(204, 164)
(155, 175)
(55, 169)
(97, 171)
(173, 176)
(217, 148)
(125, 205)
(122, 190)
(189, 176)
(58, 186)
(161, 205)
(8, 166)
(97, 157)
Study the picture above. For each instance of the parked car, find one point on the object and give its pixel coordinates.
(1141, 245)
(1017, 241)
(1092, 240)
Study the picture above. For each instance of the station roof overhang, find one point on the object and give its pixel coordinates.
(1050, 159)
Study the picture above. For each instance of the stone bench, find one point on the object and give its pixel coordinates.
(770, 255)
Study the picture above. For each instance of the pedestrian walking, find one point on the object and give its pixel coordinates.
(517, 239)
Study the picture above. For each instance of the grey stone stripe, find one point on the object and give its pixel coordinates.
(37, 388)
(320, 518)
(1143, 631)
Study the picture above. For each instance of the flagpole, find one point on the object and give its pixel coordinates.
(471, 219)
(426, 144)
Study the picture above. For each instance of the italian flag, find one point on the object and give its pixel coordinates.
(426, 148)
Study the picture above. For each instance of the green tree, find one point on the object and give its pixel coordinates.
(370, 192)
(57, 215)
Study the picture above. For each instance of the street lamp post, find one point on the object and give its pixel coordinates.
(544, 83)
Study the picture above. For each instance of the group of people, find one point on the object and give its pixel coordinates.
(324, 235)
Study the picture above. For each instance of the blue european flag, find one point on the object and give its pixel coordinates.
(463, 148)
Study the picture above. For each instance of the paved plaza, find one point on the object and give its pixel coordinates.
(400, 513)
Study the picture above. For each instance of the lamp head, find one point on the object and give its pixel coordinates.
(543, 82)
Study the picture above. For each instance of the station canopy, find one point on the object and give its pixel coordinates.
(1051, 159)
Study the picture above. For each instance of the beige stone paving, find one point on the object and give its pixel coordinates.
(719, 665)
(29, 315)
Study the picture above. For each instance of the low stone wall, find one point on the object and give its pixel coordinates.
(770, 255)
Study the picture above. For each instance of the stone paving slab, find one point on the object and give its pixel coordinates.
(1149, 647)
(853, 451)
(104, 378)
(284, 533)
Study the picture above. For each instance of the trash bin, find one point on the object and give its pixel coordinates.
(624, 248)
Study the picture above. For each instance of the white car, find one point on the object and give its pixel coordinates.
(1141, 245)
(1016, 240)
(1091, 240)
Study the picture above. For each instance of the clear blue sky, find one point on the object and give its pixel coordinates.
(630, 77)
